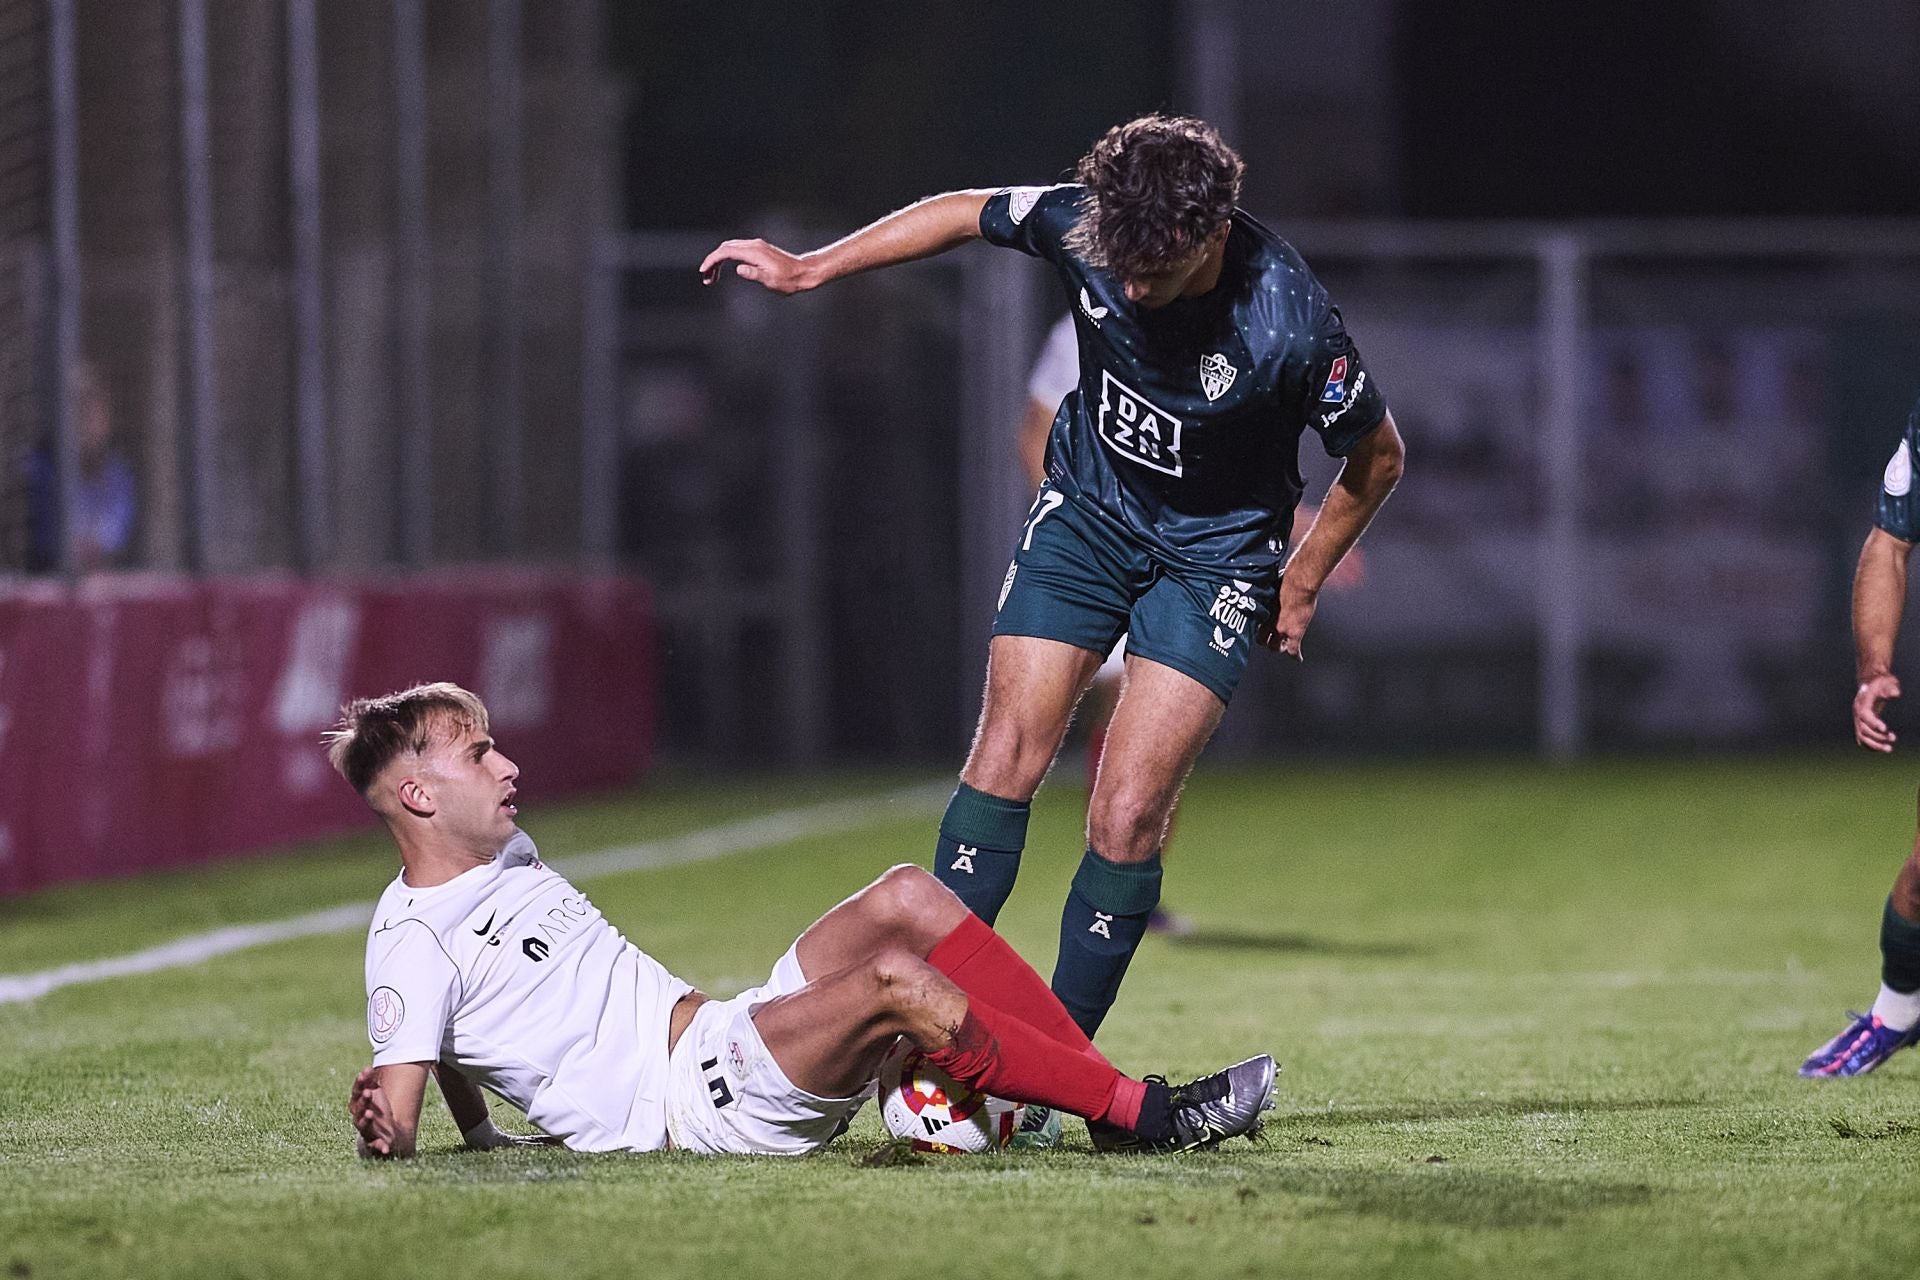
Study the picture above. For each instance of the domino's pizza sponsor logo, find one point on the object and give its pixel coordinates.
(1898, 479)
(1020, 202)
(1336, 389)
(1138, 429)
(385, 1012)
(1352, 397)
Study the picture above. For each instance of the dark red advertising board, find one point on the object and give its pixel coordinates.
(149, 722)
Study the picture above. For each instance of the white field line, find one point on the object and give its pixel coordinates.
(765, 831)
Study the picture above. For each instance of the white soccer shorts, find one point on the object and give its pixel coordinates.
(727, 1096)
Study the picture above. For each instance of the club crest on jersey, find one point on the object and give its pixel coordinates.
(1336, 389)
(1216, 375)
(1020, 202)
(385, 1012)
(1897, 479)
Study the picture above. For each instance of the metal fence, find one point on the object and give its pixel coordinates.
(326, 286)
(1641, 458)
(286, 284)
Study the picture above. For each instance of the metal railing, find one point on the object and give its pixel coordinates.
(1549, 636)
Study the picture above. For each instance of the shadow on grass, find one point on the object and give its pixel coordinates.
(1305, 944)
(1447, 1195)
(1471, 1109)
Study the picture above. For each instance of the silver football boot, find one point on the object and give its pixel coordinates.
(1206, 1112)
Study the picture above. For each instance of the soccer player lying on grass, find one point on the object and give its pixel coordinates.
(486, 968)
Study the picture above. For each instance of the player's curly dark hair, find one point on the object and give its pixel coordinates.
(1157, 187)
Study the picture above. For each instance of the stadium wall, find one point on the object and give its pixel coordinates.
(150, 722)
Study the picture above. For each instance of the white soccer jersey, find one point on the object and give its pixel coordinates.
(1057, 371)
(509, 973)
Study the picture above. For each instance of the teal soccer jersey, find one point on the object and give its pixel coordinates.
(1185, 427)
(1897, 510)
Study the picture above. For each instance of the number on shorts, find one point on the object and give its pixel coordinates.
(1045, 505)
(716, 1084)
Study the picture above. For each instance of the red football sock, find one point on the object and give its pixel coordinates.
(997, 1053)
(981, 963)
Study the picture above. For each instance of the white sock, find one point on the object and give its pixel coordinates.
(1895, 1009)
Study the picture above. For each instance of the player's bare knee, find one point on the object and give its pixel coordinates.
(900, 980)
(1009, 760)
(890, 966)
(905, 895)
(1126, 826)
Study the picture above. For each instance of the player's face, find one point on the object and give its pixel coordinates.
(473, 789)
(1196, 273)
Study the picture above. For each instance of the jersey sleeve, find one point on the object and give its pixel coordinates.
(1339, 395)
(1033, 220)
(1057, 370)
(1897, 509)
(411, 989)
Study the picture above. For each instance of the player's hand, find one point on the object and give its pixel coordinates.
(1290, 622)
(372, 1116)
(1869, 701)
(760, 262)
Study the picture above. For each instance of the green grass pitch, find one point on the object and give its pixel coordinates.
(1533, 1022)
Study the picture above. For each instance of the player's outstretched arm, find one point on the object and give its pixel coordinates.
(920, 230)
(384, 1104)
(468, 1107)
(1369, 474)
(1879, 598)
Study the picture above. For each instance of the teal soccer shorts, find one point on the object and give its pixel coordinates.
(1077, 578)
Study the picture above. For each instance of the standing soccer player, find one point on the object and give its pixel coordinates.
(1879, 600)
(1206, 348)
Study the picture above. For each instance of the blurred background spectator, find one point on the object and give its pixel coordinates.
(105, 510)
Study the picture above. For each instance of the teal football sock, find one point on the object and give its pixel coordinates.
(978, 854)
(1100, 928)
(1899, 950)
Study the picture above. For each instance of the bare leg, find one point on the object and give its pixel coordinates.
(1159, 728)
(1906, 885)
(877, 968)
(1163, 720)
(1032, 686)
(829, 1036)
(906, 908)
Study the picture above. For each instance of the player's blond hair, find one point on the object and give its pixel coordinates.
(373, 732)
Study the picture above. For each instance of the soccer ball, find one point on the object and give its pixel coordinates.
(920, 1102)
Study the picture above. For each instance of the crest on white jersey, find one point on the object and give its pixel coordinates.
(1021, 201)
(1216, 375)
(1899, 475)
(385, 1012)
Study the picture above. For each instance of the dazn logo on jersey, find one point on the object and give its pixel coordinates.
(1336, 388)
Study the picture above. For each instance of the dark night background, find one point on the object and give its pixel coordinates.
(844, 109)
